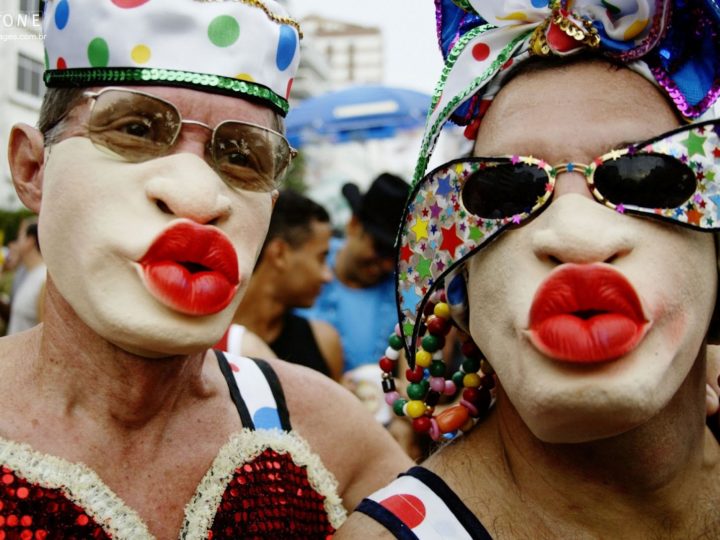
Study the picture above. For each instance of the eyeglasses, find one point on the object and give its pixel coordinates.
(675, 176)
(139, 126)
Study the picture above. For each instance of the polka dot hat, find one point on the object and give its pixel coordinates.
(235, 47)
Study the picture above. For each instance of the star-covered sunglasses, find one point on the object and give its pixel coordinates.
(671, 177)
(460, 206)
(139, 126)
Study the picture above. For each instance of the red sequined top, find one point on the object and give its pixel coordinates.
(264, 483)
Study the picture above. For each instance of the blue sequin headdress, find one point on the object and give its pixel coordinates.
(245, 48)
(675, 44)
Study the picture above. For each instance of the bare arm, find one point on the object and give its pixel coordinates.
(362, 527)
(328, 340)
(255, 347)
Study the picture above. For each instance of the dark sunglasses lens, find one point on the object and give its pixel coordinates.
(646, 180)
(135, 126)
(502, 190)
(250, 157)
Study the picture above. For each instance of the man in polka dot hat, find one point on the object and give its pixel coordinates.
(154, 172)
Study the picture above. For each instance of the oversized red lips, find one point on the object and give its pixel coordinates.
(586, 313)
(191, 268)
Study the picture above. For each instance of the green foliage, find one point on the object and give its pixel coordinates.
(295, 178)
(10, 222)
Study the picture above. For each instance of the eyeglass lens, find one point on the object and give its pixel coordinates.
(140, 127)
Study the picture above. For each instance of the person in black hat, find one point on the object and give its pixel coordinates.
(360, 300)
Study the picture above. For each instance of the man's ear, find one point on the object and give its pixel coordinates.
(354, 226)
(26, 154)
(275, 252)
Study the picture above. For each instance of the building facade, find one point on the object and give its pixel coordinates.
(353, 53)
(21, 87)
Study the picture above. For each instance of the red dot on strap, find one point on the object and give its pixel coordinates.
(407, 508)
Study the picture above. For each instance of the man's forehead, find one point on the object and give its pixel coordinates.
(619, 107)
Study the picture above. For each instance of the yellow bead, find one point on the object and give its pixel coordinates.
(442, 310)
(471, 380)
(423, 358)
(415, 408)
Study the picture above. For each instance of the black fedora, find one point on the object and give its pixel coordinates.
(380, 208)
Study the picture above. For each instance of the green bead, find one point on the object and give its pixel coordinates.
(395, 342)
(471, 365)
(425, 384)
(437, 368)
(398, 406)
(416, 391)
(431, 343)
(457, 378)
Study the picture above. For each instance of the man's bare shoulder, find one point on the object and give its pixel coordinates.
(353, 445)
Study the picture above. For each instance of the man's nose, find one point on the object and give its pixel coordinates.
(184, 185)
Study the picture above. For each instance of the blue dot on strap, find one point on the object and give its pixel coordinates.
(62, 14)
(267, 418)
(287, 44)
(539, 3)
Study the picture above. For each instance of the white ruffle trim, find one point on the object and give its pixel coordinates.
(79, 484)
(242, 448)
(83, 486)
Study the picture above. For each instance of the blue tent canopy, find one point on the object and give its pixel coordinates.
(356, 113)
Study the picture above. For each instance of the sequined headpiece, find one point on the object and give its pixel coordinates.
(676, 45)
(245, 48)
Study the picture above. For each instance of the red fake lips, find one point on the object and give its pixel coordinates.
(586, 314)
(192, 269)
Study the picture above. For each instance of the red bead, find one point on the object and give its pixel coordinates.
(469, 348)
(438, 326)
(421, 424)
(386, 364)
(428, 309)
(415, 375)
(472, 395)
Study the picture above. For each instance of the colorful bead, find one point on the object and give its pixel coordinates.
(432, 343)
(450, 388)
(386, 364)
(391, 397)
(437, 384)
(399, 407)
(451, 419)
(442, 310)
(395, 342)
(470, 365)
(437, 368)
(438, 326)
(416, 391)
(392, 354)
(415, 408)
(421, 424)
(415, 375)
(471, 380)
(423, 358)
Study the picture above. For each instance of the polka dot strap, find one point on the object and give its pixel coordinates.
(256, 391)
(233, 47)
(420, 505)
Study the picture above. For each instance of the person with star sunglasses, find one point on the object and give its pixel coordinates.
(577, 250)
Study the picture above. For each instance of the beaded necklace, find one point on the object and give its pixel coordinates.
(427, 380)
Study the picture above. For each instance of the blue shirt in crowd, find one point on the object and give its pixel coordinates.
(363, 317)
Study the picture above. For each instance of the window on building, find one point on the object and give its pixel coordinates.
(29, 76)
(31, 6)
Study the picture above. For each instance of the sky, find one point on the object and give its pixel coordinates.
(412, 58)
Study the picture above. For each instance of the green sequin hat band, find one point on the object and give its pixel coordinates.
(244, 48)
